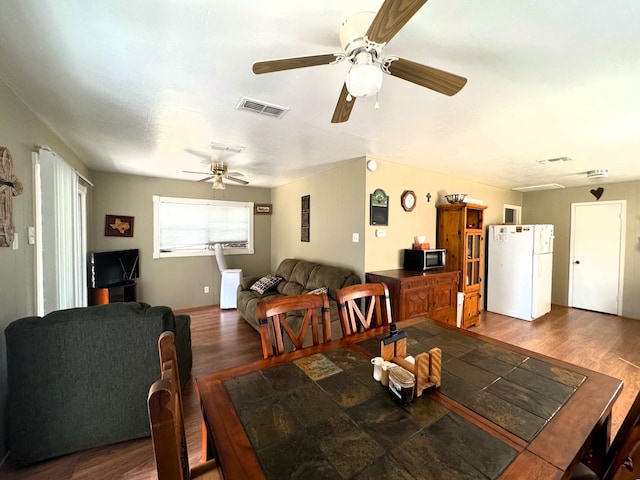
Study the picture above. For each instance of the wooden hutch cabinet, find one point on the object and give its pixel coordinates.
(461, 231)
(420, 293)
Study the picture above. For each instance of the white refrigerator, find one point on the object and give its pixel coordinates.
(519, 261)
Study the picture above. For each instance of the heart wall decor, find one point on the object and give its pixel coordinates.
(597, 192)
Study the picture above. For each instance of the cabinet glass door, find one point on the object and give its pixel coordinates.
(473, 259)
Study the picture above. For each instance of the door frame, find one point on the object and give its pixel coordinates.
(623, 231)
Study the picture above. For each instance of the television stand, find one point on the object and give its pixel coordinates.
(118, 293)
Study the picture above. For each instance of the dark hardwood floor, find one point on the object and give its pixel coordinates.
(220, 339)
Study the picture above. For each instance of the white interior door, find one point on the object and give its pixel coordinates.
(597, 256)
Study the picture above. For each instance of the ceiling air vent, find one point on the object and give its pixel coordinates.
(263, 108)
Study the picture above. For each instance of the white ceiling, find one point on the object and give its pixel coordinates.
(131, 85)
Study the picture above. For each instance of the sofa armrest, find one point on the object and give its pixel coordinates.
(246, 282)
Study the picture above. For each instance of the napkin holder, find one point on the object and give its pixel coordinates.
(427, 367)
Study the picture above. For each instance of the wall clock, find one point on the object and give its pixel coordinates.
(408, 200)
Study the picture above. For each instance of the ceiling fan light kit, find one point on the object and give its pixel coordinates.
(363, 78)
(218, 184)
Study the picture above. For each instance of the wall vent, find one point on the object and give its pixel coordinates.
(263, 108)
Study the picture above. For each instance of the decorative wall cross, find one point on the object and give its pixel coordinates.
(10, 187)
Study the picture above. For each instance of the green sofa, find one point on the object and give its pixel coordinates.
(79, 378)
(298, 277)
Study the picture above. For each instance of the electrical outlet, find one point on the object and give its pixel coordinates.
(356, 237)
(206, 289)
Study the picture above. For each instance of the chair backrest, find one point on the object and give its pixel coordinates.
(222, 262)
(375, 311)
(169, 371)
(627, 440)
(167, 350)
(167, 427)
(273, 321)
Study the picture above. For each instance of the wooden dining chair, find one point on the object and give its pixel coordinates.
(274, 322)
(167, 431)
(168, 353)
(618, 458)
(363, 306)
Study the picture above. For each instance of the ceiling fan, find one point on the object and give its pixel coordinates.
(218, 172)
(363, 41)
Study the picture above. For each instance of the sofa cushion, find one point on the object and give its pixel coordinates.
(331, 277)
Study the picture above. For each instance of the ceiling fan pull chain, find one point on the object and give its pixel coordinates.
(377, 106)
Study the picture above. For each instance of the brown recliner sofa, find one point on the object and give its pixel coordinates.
(298, 277)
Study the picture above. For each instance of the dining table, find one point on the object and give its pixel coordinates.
(501, 411)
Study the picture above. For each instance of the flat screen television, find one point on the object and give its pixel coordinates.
(109, 269)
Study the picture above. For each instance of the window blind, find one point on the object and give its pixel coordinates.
(193, 226)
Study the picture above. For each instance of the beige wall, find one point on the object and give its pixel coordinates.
(340, 207)
(176, 282)
(554, 206)
(20, 130)
(383, 253)
(337, 212)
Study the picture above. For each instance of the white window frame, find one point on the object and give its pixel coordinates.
(518, 213)
(157, 200)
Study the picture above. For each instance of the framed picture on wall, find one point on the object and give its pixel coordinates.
(118, 226)
(305, 220)
(262, 209)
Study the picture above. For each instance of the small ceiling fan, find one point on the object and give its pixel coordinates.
(218, 172)
(363, 41)
(219, 169)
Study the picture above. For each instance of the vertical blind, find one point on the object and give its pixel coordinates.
(193, 226)
(61, 248)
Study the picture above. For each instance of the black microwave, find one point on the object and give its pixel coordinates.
(421, 260)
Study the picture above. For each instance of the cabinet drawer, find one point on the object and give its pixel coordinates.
(429, 281)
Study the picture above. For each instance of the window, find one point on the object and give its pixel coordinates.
(511, 214)
(186, 227)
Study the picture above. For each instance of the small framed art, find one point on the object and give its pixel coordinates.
(118, 226)
(262, 209)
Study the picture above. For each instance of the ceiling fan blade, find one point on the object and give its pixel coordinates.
(237, 180)
(206, 178)
(197, 153)
(429, 77)
(199, 173)
(392, 16)
(269, 66)
(235, 174)
(343, 108)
